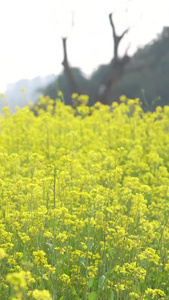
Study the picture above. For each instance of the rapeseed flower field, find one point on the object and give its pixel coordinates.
(84, 202)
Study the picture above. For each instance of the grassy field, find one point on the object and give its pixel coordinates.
(84, 202)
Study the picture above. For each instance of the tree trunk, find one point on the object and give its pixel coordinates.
(68, 71)
(107, 88)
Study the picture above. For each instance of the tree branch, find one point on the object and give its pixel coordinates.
(68, 70)
(116, 38)
(65, 60)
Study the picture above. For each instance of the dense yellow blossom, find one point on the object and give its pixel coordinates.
(84, 194)
(41, 295)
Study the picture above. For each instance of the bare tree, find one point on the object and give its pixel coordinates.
(73, 86)
(107, 88)
(106, 91)
(68, 70)
(116, 38)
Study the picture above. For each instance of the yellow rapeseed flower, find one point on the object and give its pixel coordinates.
(2, 253)
(41, 295)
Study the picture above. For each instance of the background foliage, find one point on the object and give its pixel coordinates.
(147, 75)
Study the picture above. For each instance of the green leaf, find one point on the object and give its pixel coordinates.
(112, 296)
(101, 282)
(110, 252)
(74, 291)
(92, 296)
(50, 246)
(90, 282)
(90, 245)
(82, 260)
(159, 278)
(136, 289)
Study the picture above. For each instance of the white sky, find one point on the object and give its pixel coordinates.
(31, 30)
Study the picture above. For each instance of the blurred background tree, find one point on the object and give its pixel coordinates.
(144, 75)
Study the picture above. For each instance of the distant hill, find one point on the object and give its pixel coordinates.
(15, 97)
